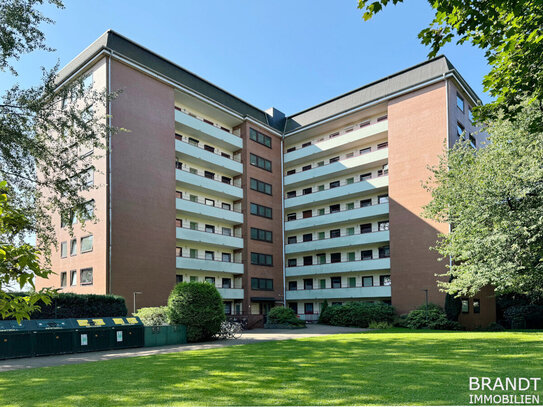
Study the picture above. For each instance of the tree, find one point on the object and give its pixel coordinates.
(493, 199)
(43, 131)
(509, 31)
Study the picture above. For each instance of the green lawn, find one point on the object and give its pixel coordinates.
(387, 367)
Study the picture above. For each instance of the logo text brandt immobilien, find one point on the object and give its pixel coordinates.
(523, 387)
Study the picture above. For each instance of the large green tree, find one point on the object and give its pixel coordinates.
(509, 31)
(43, 131)
(493, 199)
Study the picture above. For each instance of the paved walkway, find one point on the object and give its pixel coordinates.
(252, 336)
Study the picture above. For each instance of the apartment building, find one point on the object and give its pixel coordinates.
(273, 210)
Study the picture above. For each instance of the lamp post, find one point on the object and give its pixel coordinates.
(136, 293)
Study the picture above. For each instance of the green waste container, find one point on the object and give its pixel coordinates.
(127, 332)
(92, 334)
(53, 336)
(16, 339)
(165, 335)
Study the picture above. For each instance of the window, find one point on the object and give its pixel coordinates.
(226, 180)
(308, 283)
(63, 279)
(382, 199)
(459, 130)
(209, 148)
(260, 162)
(194, 225)
(87, 212)
(350, 256)
(87, 81)
(349, 206)
(227, 308)
(308, 237)
(334, 208)
(321, 258)
(334, 159)
(290, 172)
(226, 231)
(209, 174)
(322, 283)
(86, 276)
(88, 177)
(350, 231)
(384, 280)
(306, 144)
(293, 306)
(383, 225)
(210, 229)
(73, 247)
(226, 206)
(366, 254)
(334, 184)
(209, 202)
(225, 155)
(308, 308)
(178, 252)
(193, 198)
(260, 138)
(306, 167)
(264, 284)
(367, 281)
(472, 141)
(350, 180)
(291, 216)
(292, 285)
(307, 214)
(384, 251)
(320, 163)
(459, 102)
(365, 150)
(260, 210)
(210, 280)
(178, 278)
(335, 257)
(260, 259)
(291, 194)
(321, 235)
(308, 260)
(73, 277)
(476, 306)
(291, 149)
(335, 233)
(334, 135)
(209, 255)
(292, 262)
(226, 257)
(364, 124)
(261, 186)
(307, 191)
(365, 228)
(380, 119)
(179, 194)
(63, 249)
(465, 306)
(86, 244)
(364, 177)
(382, 145)
(193, 253)
(291, 240)
(192, 170)
(193, 279)
(365, 202)
(320, 187)
(261, 234)
(336, 282)
(352, 282)
(321, 211)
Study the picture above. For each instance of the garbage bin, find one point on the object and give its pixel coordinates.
(53, 336)
(92, 334)
(127, 332)
(162, 335)
(16, 339)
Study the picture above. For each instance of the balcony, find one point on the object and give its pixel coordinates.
(197, 155)
(343, 167)
(203, 131)
(340, 267)
(213, 186)
(336, 144)
(338, 242)
(344, 191)
(231, 293)
(337, 218)
(215, 239)
(202, 264)
(205, 211)
(339, 293)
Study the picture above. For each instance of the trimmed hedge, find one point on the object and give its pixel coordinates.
(358, 314)
(199, 307)
(70, 305)
(283, 316)
(433, 318)
(524, 316)
(153, 316)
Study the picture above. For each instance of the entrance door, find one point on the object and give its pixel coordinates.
(265, 307)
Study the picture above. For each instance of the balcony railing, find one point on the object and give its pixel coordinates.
(340, 235)
(202, 201)
(341, 184)
(181, 109)
(186, 140)
(215, 177)
(208, 259)
(337, 262)
(340, 211)
(216, 232)
(339, 287)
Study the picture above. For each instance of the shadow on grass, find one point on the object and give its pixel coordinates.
(383, 367)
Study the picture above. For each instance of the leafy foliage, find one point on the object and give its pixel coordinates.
(153, 316)
(359, 314)
(199, 307)
(493, 197)
(284, 316)
(433, 318)
(525, 316)
(509, 31)
(380, 325)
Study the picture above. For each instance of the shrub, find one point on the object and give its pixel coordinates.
(284, 316)
(453, 307)
(433, 318)
(70, 305)
(358, 314)
(524, 316)
(494, 327)
(152, 316)
(199, 307)
(380, 325)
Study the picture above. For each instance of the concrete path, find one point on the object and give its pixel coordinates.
(252, 336)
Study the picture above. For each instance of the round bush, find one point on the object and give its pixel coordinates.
(199, 307)
(358, 314)
(433, 318)
(152, 316)
(283, 316)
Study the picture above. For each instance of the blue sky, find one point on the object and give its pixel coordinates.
(282, 53)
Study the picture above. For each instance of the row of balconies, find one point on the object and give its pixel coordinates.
(352, 240)
(339, 293)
